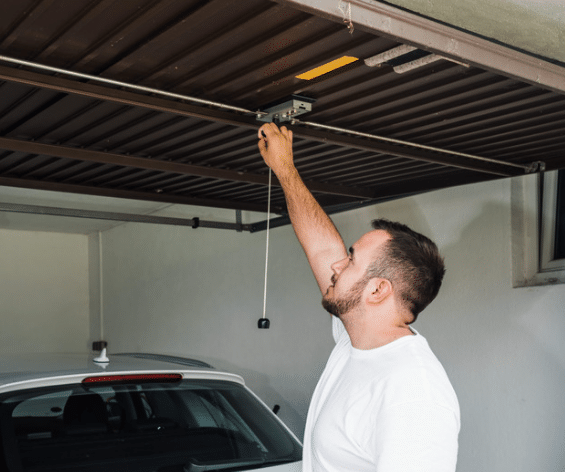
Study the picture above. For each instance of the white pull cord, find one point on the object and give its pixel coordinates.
(267, 247)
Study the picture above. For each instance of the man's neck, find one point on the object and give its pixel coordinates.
(367, 333)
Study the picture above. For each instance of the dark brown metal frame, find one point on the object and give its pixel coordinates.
(158, 104)
(382, 169)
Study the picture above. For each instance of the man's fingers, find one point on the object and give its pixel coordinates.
(265, 130)
(270, 129)
(270, 132)
(261, 132)
(287, 133)
(262, 146)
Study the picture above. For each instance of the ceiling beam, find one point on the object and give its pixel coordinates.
(77, 154)
(486, 167)
(385, 193)
(409, 28)
(130, 194)
(116, 95)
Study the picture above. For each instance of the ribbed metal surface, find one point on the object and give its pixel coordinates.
(245, 54)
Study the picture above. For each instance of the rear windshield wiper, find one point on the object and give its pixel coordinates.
(196, 466)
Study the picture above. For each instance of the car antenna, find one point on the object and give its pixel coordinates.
(102, 358)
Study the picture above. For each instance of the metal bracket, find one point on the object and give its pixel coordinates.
(287, 110)
(537, 166)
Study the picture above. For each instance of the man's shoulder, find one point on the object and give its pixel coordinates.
(420, 376)
(409, 361)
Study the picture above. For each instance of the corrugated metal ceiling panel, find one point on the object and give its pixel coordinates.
(245, 54)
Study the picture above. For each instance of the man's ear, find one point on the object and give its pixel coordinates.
(379, 290)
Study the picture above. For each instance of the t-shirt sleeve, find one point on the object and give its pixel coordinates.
(418, 436)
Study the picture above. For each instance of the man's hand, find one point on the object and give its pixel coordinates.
(276, 148)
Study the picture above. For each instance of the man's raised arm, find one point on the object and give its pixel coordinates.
(315, 231)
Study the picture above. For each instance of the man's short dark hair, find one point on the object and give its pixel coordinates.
(411, 262)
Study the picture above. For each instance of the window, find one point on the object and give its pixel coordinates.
(551, 219)
(559, 248)
(538, 229)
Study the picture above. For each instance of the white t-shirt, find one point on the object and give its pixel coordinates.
(390, 409)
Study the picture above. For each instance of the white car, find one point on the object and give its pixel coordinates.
(135, 412)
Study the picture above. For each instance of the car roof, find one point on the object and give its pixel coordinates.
(37, 370)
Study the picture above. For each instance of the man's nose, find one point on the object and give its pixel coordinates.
(338, 266)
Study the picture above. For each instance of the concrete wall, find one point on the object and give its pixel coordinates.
(535, 26)
(44, 292)
(199, 292)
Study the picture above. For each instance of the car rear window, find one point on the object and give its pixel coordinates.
(189, 425)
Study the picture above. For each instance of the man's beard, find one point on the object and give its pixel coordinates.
(340, 306)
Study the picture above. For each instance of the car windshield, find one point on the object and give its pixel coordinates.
(188, 425)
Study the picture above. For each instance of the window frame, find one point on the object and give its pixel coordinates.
(550, 205)
(533, 214)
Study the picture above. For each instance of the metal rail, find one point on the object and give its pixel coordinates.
(121, 217)
(527, 168)
(66, 152)
(401, 150)
(138, 88)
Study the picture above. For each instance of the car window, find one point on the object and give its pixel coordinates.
(146, 426)
(48, 405)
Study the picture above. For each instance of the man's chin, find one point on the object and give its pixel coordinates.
(330, 306)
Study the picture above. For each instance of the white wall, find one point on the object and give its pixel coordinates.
(44, 292)
(199, 292)
(502, 347)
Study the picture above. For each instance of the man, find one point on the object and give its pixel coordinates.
(384, 402)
